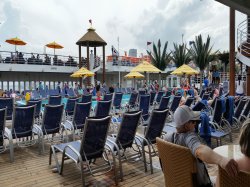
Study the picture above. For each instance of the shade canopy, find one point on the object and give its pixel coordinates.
(54, 45)
(82, 72)
(91, 39)
(146, 67)
(133, 75)
(15, 41)
(185, 69)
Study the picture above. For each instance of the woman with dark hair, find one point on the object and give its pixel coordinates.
(244, 141)
(240, 86)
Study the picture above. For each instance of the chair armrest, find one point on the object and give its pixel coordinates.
(7, 133)
(72, 149)
(243, 117)
(37, 130)
(112, 142)
(215, 126)
(68, 125)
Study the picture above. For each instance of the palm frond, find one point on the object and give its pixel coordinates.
(159, 59)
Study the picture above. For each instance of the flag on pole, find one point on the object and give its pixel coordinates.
(148, 43)
(191, 42)
(90, 21)
(114, 51)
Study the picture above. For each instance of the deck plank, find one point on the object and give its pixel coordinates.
(32, 170)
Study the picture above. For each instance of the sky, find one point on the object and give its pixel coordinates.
(134, 22)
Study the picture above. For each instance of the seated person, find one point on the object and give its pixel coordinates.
(185, 121)
(5, 94)
(244, 141)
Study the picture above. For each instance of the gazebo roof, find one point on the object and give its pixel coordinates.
(91, 38)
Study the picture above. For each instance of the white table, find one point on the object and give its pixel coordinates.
(229, 151)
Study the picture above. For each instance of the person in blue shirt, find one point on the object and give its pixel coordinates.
(206, 82)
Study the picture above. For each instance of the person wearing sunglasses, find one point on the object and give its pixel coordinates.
(185, 121)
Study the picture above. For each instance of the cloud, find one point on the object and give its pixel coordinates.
(134, 22)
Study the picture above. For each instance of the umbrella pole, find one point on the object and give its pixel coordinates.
(54, 51)
(15, 48)
(134, 82)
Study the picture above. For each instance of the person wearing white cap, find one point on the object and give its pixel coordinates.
(185, 121)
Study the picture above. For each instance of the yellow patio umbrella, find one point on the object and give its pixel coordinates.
(146, 67)
(82, 72)
(134, 75)
(15, 41)
(184, 69)
(54, 45)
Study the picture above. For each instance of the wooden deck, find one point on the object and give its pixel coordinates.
(31, 169)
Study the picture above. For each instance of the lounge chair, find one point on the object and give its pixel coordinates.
(245, 113)
(108, 97)
(152, 97)
(205, 96)
(199, 106)
(81, 112)
(91, 147)
(4, 132)
(86, 98)
(142, 92)
(164, 102)
(51, 128)
(220, 127)
(236, 118)
(189, 101)
(228, 115)
(55, 100)
(153, 130)
(132, 101)
(38, 104)
(103, 108)
(202, 93)
(125, 137)
(117, 101)
(159, 96)
(9, 104)
(70, 106)
(144, 104)
(174, 105)
(178, 164)
(22, 128)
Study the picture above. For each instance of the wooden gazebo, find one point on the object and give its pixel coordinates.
(92, 39)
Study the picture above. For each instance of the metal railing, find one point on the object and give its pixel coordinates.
(8, 57)
(243, 38)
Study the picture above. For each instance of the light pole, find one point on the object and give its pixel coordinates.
(119, 63)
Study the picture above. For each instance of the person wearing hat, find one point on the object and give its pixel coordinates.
(185, 120)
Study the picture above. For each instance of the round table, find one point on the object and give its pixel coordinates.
(229, 151)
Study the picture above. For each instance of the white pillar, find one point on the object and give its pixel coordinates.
(91, 66)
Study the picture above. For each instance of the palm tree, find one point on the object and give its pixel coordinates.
(202, 54)
(158, 59)
(180, 55)
(224, 57)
